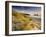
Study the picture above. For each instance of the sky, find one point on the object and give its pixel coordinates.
(27, 9)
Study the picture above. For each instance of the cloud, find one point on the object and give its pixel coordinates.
(26, 8)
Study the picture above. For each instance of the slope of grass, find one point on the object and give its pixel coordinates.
(23, 22)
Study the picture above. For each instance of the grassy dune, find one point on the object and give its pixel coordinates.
(21, 21)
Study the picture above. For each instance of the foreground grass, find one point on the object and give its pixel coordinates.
(24, 22)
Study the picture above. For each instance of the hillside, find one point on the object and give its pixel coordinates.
(22, 21)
